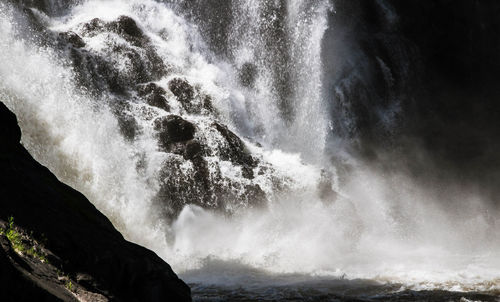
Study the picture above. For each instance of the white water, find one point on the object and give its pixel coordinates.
(381, 227)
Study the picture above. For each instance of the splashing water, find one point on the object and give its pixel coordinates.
(268, 89)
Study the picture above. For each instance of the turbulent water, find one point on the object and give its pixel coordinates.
(318, 230)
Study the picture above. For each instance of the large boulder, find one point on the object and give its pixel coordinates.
(194, 173)
(72, 39)
(173, 129)
(234, 149)
(190, 98)
(154, 96)
(127, 28)
(182, 90)
(99, 69)
(59, 247)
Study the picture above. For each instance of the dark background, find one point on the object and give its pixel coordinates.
(438, 62)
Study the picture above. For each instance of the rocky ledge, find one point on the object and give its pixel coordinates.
(56, 246)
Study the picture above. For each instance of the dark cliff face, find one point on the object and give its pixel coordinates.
(418, 80)
(459, 43)
(59, 247)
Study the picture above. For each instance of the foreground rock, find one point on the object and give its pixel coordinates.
(59, 247)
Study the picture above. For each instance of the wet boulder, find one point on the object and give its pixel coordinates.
(191, 99)
(204, 185)
(207, 106)
(72, 38)
(180, 186)
(95, 72)
(154, 96)
(193, 178)
(126, 26)
(143, 63)
(149, 89)
(190, 150)
(128, 29)
(158, 101)
(234, 150)
(93, 27)
(174, 129)
(193, 150)
(247, 171)
(255, 194)
(182, 90)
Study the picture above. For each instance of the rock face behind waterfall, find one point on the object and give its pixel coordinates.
(59, 247)
(418, 80)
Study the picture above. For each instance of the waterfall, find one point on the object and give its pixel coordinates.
(280, 42)
(247, 185)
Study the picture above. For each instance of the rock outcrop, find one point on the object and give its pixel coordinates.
(121, 62)
(58, 247)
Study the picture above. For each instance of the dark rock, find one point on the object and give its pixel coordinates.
(71, 228)
(189, 148)
(150, 88)
(202, 176)
(440, 74)
(73, 38)
(158, 101)
(173, 129)
(94, 68)
(235, 150)
(10, 133)
(16, 282)
(256, 195)
(204, 185)
(208, 106)
(96, 72)
(125, 25)
(194, 149)
(182, 90)
(93, 26)
(175, 148)
(154, 96)
(179, 187)
(247, 172)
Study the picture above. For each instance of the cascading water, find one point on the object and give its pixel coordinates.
(281, 43)
(263, 208)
